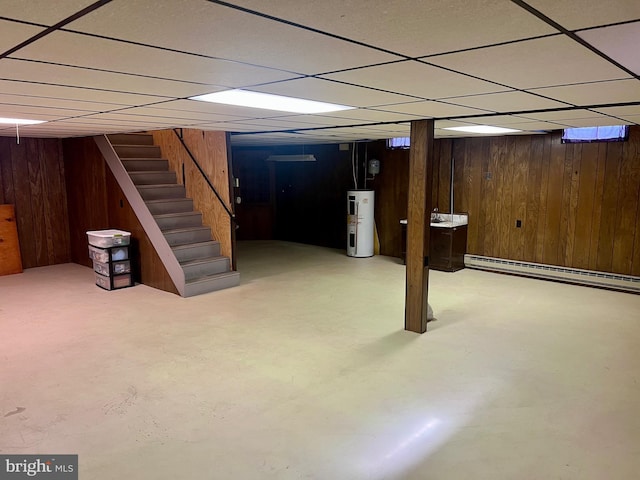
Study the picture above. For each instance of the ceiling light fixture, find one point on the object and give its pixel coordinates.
(267, 101)
(486, 129)
(20, 121)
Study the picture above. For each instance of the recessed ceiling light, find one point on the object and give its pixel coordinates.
(246, 98)
(482, 129)
(20, 121)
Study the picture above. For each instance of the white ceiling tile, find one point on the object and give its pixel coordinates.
(618, 91)
(203, 27)
(80, 50)
(365, 115)
(333, 92)
(414, 27)
(56, 103)
(533, 126)
(619, 42)
(620, 111)
(542, 62)
(158, 111)
(15, 33)
(431, 109)
(325, 120)
(498, 120)
(560, 116)
(507, 102)
(41, 11)
(37, 112)
(81, 77)
(417, 79)
(595, 121)
(575, 14)
(73, 93)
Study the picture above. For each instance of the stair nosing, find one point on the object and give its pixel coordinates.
(186, 229)
(176, 214)
(168, 199)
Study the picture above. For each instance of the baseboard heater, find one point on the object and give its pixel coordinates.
(592, 278)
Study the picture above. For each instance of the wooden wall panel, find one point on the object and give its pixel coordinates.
(32, 179)
(210, 149)
(579, 203)
(85, 172)
(627, 209)
(598, 194)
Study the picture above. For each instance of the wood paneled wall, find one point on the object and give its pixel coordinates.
(210, 150)
(32, 178)
(578, 204)
(96, 202)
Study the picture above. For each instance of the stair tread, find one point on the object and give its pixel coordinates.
(188, 263)
(144, 158)
(156, 185)
(176, 214)
(163, 200)
(186, 229)
(195, 244)
(144, 172)
(213, 277)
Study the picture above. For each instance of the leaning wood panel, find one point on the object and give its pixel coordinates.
(584, 211)
(10, 259)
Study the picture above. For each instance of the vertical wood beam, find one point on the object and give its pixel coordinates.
(418, 225)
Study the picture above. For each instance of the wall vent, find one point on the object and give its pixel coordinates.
(592, 278)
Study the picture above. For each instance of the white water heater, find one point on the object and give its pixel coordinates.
(360, 223)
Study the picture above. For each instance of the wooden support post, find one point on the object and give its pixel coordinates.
(418, 225)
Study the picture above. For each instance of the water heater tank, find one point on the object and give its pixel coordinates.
(360, 223)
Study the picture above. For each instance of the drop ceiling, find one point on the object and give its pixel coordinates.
(124, 66)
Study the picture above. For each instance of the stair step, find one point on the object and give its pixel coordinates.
(211, 283)
(183, 236)
(131, 139)
(207, 266)
(153, 178)
(137, 151)
(196, 251)
(169, 205)
(157, 192)
(146, 164)
(168, 221)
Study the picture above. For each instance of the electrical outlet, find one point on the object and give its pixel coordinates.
(518, 223)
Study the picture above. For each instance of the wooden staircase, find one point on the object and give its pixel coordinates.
(191, 242)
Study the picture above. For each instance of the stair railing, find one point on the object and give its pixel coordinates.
(230, 214)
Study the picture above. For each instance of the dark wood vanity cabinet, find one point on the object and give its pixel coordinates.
(447, 248)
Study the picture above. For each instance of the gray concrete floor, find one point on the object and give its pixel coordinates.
(304, 371)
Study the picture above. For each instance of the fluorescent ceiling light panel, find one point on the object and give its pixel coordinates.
(482, 129)
(20, 121)
(246, 98)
